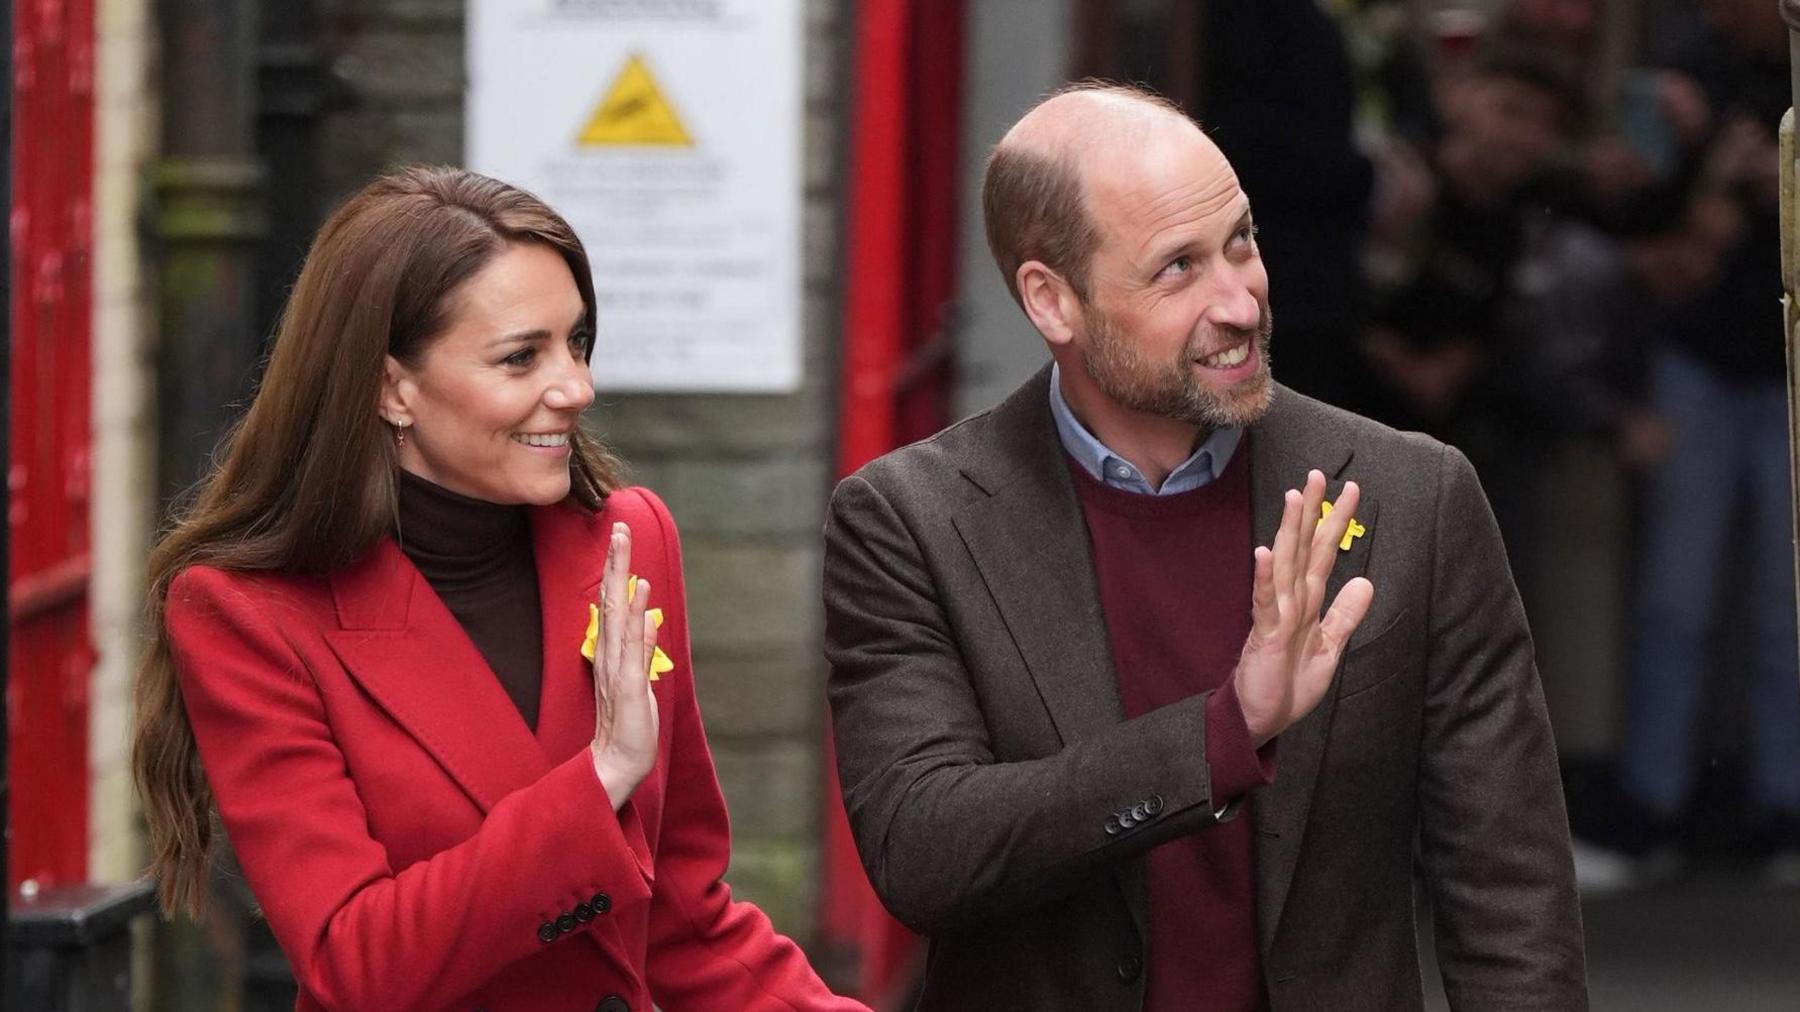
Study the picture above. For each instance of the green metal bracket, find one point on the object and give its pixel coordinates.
(208, 200)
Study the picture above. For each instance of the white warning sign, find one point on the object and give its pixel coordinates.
(668, 132)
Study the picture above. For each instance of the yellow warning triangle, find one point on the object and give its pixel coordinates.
(635, 113)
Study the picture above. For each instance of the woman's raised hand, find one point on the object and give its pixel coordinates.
(625, 717)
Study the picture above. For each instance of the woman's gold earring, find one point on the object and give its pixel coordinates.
(399, 433)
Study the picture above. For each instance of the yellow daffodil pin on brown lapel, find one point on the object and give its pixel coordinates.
(659, 662)
(1354, 531)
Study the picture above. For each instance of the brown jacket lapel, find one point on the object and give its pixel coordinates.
(1030, 546)
(1284, 446)
(1029, 543)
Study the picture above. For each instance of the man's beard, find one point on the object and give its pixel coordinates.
(1173, 390)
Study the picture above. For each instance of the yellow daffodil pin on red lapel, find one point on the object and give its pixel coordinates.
(659, 662)
(1354, 531)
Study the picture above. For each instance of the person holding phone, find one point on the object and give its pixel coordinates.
(429, 657)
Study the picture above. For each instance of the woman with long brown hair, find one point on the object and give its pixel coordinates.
(429, 660)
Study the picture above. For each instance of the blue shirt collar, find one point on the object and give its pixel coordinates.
(1115, 471)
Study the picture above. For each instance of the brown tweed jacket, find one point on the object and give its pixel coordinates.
(982, 746)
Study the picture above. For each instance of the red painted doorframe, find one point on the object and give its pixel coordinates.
(900, 282)
(50, 658)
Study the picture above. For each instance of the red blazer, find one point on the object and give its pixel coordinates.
(415, 846)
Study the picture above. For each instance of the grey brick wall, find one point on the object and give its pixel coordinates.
(746, 476)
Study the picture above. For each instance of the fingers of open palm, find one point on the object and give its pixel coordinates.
(1346, 614)
(646, 697)
(635, 720)
(603, 646)
(1312, 493)
(1329, 534)
(613, 598)
(1313, 496)
(1326, 542)
(631, 674)
(1264, 615)
(1287, 539)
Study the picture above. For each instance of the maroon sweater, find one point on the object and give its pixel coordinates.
(1174, 574)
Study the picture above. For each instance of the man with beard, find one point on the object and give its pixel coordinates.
(1102, 749)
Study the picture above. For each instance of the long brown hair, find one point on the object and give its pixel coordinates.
(305, 481)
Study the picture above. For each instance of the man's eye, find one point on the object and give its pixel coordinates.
(1178, 267)
(1247, 234)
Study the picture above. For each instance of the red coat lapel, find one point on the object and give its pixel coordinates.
(405, 648)
(570, 557)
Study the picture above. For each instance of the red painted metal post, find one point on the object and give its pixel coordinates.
(851, 919)
(49, 656)
(875, 296)
(900, 279)
(934, 177)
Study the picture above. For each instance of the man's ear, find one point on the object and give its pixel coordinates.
(1049, 301)
(397, 392)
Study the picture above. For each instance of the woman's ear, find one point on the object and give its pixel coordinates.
(397, 392)
(1049, 302)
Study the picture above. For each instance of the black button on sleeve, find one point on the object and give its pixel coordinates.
(547, 932)
(601, 903)
(1154, 805)
(584, 912)
(612, 1003)
(1112, 826)
(1129, 968)
(1140, 811)
(565, 923)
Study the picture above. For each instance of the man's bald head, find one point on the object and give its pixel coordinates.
(1033, 198)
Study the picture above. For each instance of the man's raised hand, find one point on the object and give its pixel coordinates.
(1292, 653)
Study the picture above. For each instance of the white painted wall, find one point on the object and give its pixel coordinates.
(1016, 50)
(124, 496)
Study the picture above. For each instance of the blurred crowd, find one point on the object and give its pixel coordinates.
(1545, 224)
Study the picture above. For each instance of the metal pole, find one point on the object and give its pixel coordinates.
(6, 149)
(209, 219)
(208, 191)
(1790, 264)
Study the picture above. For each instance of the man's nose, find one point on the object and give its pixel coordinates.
(1235, 304)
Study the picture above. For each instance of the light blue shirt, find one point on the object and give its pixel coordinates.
(1117, 472)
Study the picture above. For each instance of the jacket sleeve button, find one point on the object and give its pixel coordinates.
(565, 923)
(584, 912)
(1140, 811)
(1112, 826)
(612, 1003)
(1129, 968)
(1154, 805)
(547, 932)
(601, 903)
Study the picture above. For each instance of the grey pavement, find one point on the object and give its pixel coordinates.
(1714, 940)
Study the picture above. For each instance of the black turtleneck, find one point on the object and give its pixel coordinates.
(477, 556)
